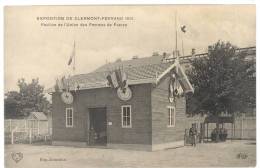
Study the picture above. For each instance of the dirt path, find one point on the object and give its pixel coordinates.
(235, 153)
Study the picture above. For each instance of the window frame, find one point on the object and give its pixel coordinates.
(67, 110)
(122, 116)
(172, 110)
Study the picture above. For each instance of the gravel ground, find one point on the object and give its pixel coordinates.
(230, 153)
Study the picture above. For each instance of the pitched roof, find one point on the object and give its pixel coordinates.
(37, 116)
(135, 75)
(138, 71)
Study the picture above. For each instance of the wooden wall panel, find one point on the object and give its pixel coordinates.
(160, 132)
(140, 133)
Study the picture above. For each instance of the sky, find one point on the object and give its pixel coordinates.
(32, 50)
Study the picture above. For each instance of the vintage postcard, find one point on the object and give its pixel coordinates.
(130, 86)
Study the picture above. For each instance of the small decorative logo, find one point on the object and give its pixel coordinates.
(17, 156)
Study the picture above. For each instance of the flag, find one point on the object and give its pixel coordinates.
(76, 85)
(183, 29)
(109, 80)
(63, 83)
(180, 90)
(58, 85)
(119, 77)
(123, 82)
(112, 80)
(72, 55)
(124, 79)
(171, 89)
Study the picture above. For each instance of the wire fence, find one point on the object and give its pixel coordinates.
(27, 131)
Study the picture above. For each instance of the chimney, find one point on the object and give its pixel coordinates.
(210, 48)
(118, 60)
(164, 55)
(193, 51)
(135, 57)
(155, 54)
(176, 53)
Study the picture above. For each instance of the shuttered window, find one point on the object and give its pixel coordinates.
(171, 116)
(126, 116)
(69, 117)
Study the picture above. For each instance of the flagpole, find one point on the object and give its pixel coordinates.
(74, 62)
(74, 66)
(176, 37)
(176, 45)
(182, 47)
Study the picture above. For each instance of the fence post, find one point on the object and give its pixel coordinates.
(242, 125)
(25, 125)
(30, 136)
(10, 125)
(234, 129)
(38, 127)
(12, 135)
(48, 130)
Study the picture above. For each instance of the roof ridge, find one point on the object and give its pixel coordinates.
(128, 67)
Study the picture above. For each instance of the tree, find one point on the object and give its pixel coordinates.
(29, 98)
(11, 105)
(223, 82)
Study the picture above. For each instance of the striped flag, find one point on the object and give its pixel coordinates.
(64, 83)
(117, 78)
(124, 79)
(112, 80)
(72, 55)
(109, 80)
(121, 78)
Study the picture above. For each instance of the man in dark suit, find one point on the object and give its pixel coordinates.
(193, 134)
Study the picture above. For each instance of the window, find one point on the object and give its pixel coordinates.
(69, 117)
(126, 116)
(171, 116)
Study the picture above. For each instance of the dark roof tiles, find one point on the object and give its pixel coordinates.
(133, 74)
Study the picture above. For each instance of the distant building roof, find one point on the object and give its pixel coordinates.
(132, 63)
(37, 116)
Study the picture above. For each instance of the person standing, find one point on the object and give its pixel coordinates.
(193, 134)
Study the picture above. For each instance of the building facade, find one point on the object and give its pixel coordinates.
(150, 115)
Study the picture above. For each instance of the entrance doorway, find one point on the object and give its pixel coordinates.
(97, 126)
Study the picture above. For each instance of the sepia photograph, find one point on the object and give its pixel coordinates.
(129, 86)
